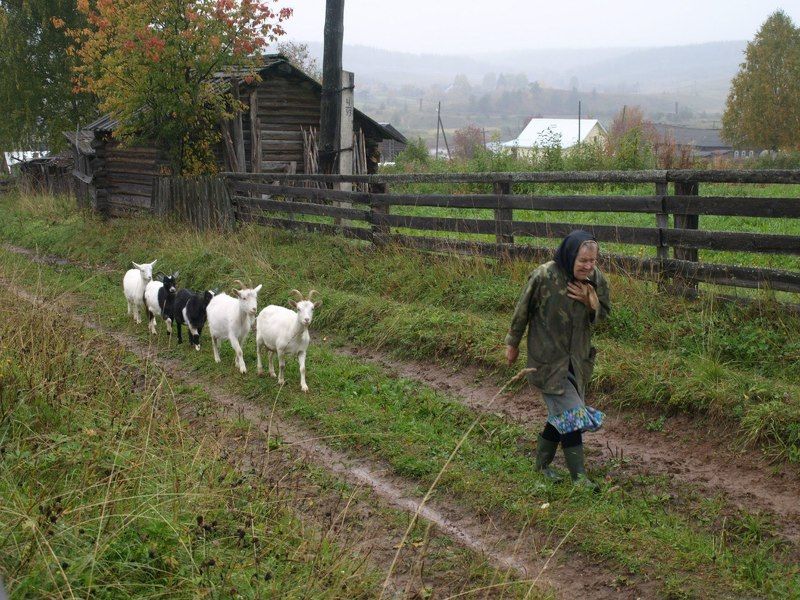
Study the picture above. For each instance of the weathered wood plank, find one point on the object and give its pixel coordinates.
(303, 208)
(726, 275)
(734, 241)
(604, 233)
(137, 189)
(744, 176)
(296, 192)
(351, 232)
(130, 200)
(734, 206)
(638, 204)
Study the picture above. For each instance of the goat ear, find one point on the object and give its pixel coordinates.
(258, 287)
(292, 303)
(318, 303)
(152, 264)
(175, 274)
(137, 265)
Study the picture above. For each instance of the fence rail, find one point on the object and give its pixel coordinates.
(282, 200)
(788, 176)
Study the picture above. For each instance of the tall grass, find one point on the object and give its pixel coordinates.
(638, 528)
(457, 308)
(106, 494)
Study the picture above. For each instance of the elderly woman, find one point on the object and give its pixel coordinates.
(561, 302)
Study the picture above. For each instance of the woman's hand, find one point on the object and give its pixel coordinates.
(512, 353)
(584, 293)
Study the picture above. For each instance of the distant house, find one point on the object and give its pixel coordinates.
(566, 133)
(287, 105)
(704, 143)
(393, 146)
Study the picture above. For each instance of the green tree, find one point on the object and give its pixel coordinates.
(36, 92)
(763, 106)
(158, 67)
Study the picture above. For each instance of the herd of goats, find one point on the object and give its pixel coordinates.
(280, 330)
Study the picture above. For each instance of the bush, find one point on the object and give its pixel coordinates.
(415, 153)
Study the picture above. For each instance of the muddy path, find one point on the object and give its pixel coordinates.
(683, 450)
(530, 555)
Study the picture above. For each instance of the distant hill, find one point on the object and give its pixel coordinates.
(684, 85)
(700, 69)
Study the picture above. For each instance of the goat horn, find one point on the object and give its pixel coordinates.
(298, 293)
(311, 293)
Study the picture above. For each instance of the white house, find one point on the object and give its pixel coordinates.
(545, 133)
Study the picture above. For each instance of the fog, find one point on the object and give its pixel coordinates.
(475, 28)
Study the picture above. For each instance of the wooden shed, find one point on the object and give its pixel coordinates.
(279, 129)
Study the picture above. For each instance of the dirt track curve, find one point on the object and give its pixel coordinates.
(683, 450)
(503, 546)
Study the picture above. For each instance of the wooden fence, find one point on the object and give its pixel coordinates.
(284, 201)
(202, 201)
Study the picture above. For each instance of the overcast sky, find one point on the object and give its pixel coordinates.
(464, 26)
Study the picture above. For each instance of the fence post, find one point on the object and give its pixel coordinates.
(662, 223)
(100, 181)
(380, 231)
(681, 283)
(503, 217)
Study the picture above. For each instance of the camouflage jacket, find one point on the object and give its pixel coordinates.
(559, 328)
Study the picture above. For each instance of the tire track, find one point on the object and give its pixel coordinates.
(682, 451)
(504, 547)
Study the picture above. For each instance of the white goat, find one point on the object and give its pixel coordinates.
(285, 331)
(231, 318)
(133, 284)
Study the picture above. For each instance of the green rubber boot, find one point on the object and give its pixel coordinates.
(575, 463)
(545, 453)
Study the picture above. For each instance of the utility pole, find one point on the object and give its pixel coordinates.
(331, 102)
(438, 120)
(440, 125)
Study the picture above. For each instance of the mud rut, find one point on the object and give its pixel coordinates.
(682, 451)
(499, 544)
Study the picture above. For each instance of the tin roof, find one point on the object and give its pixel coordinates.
(543, 131)
(82, 139)
(693, 136)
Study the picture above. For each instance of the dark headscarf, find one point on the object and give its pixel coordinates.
(567, 251)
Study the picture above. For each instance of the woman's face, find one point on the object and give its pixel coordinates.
(585, 262)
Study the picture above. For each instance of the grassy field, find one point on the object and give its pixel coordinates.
(737, 365)
(106, 494)
(765, 225)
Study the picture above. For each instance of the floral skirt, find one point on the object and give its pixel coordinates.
(568, 412)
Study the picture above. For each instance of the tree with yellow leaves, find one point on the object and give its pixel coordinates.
(156, 67)
(763, 107)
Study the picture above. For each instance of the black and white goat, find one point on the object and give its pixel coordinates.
(133, 284)
(190, 309)
(159, 300)
(284, 331)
